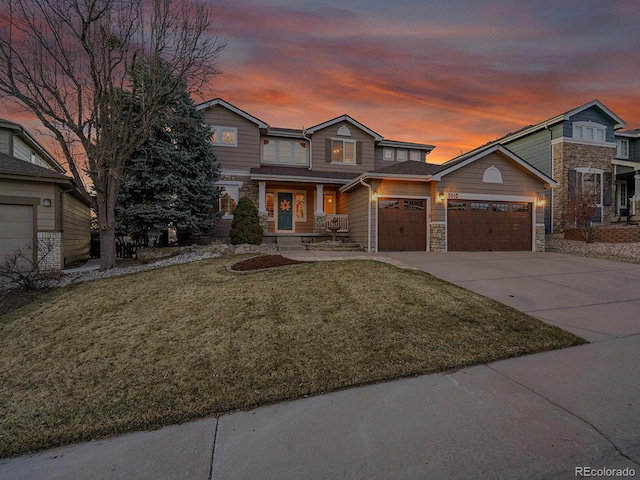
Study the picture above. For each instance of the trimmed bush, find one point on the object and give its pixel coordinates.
(245, 227)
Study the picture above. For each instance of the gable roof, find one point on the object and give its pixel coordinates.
(13, 166)
(453, 165)
(234, 109)
(344, 118)
(408, 171)
(33, 143)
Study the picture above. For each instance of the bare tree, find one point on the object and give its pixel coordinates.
(581, 208)
(71, 63)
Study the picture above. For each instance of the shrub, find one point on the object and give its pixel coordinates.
(245, 227)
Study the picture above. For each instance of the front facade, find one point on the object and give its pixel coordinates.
(41, 209)
(381, 193)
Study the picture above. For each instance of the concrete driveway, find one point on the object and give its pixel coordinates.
(595, 299)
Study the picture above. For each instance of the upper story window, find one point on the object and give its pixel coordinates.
(287, 152)
(343, 151)
(622, 150)
(388, 154)
(590, 132)
(414, 155)
(401, 155)
(224, 136)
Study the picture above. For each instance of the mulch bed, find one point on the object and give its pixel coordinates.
(263, 262)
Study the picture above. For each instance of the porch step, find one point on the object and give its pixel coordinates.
(290, 244)
(334, 247)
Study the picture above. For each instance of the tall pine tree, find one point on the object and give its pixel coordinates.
(169, 182)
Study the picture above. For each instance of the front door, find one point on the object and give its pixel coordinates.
(285, 212)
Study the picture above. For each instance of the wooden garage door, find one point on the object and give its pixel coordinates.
(402, 225)
(16, 229)
(488, 226)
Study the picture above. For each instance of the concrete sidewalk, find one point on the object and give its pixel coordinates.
(538, 416)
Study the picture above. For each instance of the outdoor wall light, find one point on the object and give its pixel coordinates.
(46, 202)
(541, 201)
(441, 197)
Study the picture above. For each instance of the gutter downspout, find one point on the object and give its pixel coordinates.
(546, 127)
(304, 135)
(368, 217)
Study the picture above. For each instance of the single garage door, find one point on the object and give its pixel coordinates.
(402, 225)
(16, 229)
(488, 226)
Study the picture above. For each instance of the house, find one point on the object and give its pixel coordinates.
(382, 193)
(578, 150)
(627, 173)
(39, 204)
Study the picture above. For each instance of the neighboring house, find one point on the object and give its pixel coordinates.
(38, 203)
(578, 150)
(382, 193)
(627, 169)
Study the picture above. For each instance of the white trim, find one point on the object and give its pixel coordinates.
(295, 178)
(320, 199)
(579, 141)
(627, 163)
(345, 141)
(345, 118)
(220, 129)
(438, 223)
(236, 173)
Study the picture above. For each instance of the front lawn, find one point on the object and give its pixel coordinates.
(173, 344)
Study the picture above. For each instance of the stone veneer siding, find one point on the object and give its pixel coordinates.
(249, 187)
(569, 156)
(540, 238)
(438, 237)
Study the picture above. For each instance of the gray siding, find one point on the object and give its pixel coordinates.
(357, 203)
(594, 115)
(534, 149)
(76, 229)
(46, 215)
(5, 141)
(21, 150)
(247, 154)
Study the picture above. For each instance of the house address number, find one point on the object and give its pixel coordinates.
(452, 195)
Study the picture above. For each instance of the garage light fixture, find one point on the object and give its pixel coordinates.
(541, 201)
(441, 197)
(46, 202)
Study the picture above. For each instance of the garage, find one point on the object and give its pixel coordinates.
(481, 225)
(16, 228)
(402, 225)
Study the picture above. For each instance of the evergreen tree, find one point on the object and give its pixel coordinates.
(169, 181)
(245, 227)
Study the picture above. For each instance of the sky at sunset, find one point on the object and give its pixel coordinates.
(455, 73)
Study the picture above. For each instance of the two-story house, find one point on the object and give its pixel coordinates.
(39, 204)
(578, 150)
(382, 193)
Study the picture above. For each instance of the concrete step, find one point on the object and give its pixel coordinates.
(290, 244)
(334, 247)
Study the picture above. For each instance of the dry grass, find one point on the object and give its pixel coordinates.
(173, 344)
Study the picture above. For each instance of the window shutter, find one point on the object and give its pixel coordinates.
(328, 151)
(359, 152)
(607, 194)
(572, 182)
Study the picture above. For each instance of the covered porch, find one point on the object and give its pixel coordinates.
(627, 189)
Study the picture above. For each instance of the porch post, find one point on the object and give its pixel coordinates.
(319, 199)
(636, 194)
(262, 195)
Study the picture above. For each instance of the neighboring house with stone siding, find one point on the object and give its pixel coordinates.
(381, 193)
(38, 203)
(578, 150)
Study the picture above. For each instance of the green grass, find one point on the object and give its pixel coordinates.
(178, 343)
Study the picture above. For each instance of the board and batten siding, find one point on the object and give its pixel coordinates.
(357, 204)
(76, 229)
(247, 154)
(319, 152)
(46, 215)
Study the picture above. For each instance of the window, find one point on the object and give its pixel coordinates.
(414, 204)
(224, 136)
(501, 207)
(479, 207)
(591, 182)
(270, 205)
(343, 151)
(393, 204)
(228, 199)
(401, 155)
(329, 200)
(521, 207)
(622, 148)
(301, 209)
(287, 152)
(457, 206)
(387, 154)
(591, 132)
(414, 155)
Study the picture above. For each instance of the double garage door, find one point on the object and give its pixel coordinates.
(488, 226)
